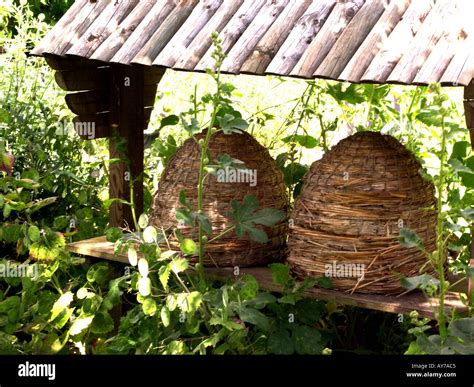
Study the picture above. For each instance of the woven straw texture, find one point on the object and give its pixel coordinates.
(182, 173)
(353, 203)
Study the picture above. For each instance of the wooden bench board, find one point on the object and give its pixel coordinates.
(404, 304)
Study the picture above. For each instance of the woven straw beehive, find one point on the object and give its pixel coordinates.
(182, 175)
(348, 218)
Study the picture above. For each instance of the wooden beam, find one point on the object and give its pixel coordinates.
(83, 79)
(404, 304)
(88, 102)
(127, 143)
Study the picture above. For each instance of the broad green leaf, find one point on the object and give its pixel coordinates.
(194, 301)
(458, 166)
(280, 273)
(307, 340)
(255, 317)
(463, 328)
(113, 234)
(305, 141)
(419, 282)
(79, 324)
(143, 221)
(61, 304)
(102, 323)
(150, 235)
(34, 233)
(409, 239)
(179, 265)
(188, 247)
(250, 287)
(280, 343)
(149, 306)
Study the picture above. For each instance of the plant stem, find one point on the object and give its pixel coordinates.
(439, 236)
(202, 173)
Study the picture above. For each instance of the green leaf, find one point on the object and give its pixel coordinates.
(61, 304)
(280, 342)
(250, 287)
(102, 323)
(188, 247)
(205, 223)
(184, 201)
(460, 150)
(246, 214)
(164, 275)
(113, 234)
(309, 311)
(80, 323)
(419, 282)
(34, 233)
(280, 273)
(165, 316)
(179, 265)
(458, 166)
(149, 307)
(150, 235)
(305, 141)
(194, 301)
(463, 328)
(409, 239)
(169, 121)
(255, 317)
(468, 213)
(307, 340)
(143, 221)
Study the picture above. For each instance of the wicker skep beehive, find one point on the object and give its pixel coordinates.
(266, 185)
(348, 218)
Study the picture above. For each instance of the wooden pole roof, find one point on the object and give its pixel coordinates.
(381, 41)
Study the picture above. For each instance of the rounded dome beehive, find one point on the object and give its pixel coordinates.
(348, 218)
(265, 182)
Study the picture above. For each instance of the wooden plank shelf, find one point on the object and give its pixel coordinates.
(403, 304)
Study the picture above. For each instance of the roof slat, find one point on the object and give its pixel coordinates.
(374, 41)
(266, 49)
(441, 55)
(234, 29)
(181, 40)
(78, 26)
(144, 30)
(116, 40)
(420, 47)
(55, 35)
(108, 21)
(201, 43)
(252, 35)
(351, 39)
(394, 46)
(301, 36)
(326, 38)
(164, 33)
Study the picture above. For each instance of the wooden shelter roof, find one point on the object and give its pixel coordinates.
(382, 41)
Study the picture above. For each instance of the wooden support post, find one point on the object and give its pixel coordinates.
(469, 111)
(127, 142)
